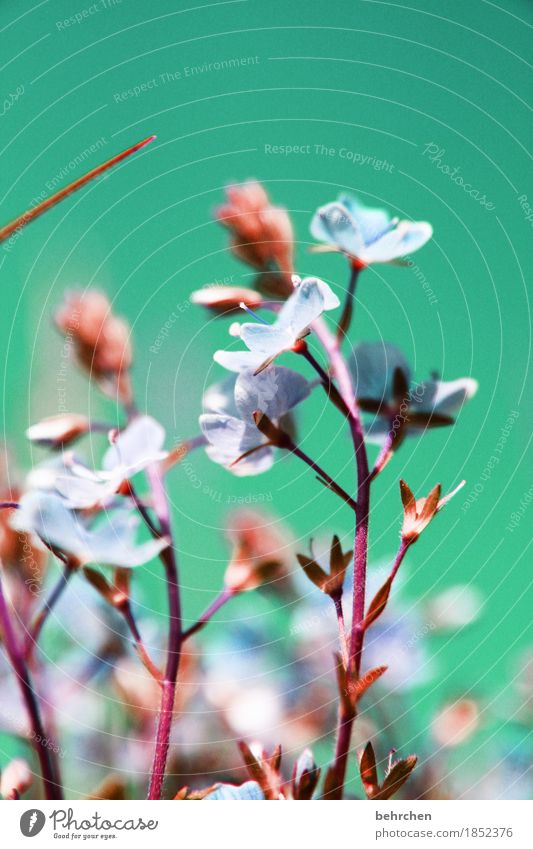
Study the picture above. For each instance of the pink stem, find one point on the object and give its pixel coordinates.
(169, 681)
(49, 771)
(341, 373)
(213, 608)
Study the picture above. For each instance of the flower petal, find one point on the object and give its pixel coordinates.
(373, 366)
(220, 397)
(444, 396)
(268, 340)
(334, 224)
(274, 391)
(238, 360)
(405, 238)
(372, 221)
(137, 446)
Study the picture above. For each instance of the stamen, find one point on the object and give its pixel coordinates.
(252, 313)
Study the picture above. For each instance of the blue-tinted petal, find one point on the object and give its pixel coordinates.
(334, 225)
(405, 238)
(309, 300)
(444, 396)
(267, 340)
(220, 397)
(372, 221)
(274, 391)
(138, 445)
(238, 360)
(373, 365)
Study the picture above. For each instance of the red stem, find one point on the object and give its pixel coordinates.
(34, 631)
(49, 771)
(213, 608)
(341, 373)
(169, 681)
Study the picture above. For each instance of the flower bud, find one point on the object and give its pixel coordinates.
(56, 431)
(260, 553)
(101, 340)
(262, 234)
(224, 299)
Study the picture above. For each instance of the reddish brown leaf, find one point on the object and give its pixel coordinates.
(313, 571)
(378, 604)
(358, 688)
(368, 771)
(396, 777)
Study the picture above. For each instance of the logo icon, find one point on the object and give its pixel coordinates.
(32, 822)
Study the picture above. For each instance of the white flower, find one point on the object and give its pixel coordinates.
(136, 447)
(265, 342)
(230, 429)
(365, 234)
(384, 388)
(48, 518)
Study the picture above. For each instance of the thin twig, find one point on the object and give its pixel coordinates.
(40, 208)
(34, 631)
(168, 683)
(209, 612)
(41, 742)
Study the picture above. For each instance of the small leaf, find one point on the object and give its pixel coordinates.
(378, 604)
(430, 505)
(396, 777)
(344, 687)
(408, 501)
(359, 687)
(313, 571)
(368, 771)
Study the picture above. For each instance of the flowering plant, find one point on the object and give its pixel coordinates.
(89, 520)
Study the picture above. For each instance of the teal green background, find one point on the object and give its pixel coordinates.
(378, 78)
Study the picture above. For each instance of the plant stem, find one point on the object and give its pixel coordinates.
(333, 485)
(34, 631)
(346, 317)
(168, 683)
(326, 381)
(342, 631)
(140, 648)
(209, 612)
(49, 772)
(341, 373)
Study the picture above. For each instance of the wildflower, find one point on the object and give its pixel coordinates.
(47, 518)
(260, 552)
(101, 340)
(234, 435)
(56, 431)
(137, 446)
(261, 234)
(367, 235)
(265, 342)
(382, 378)
(225, 299)
(419, 513)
